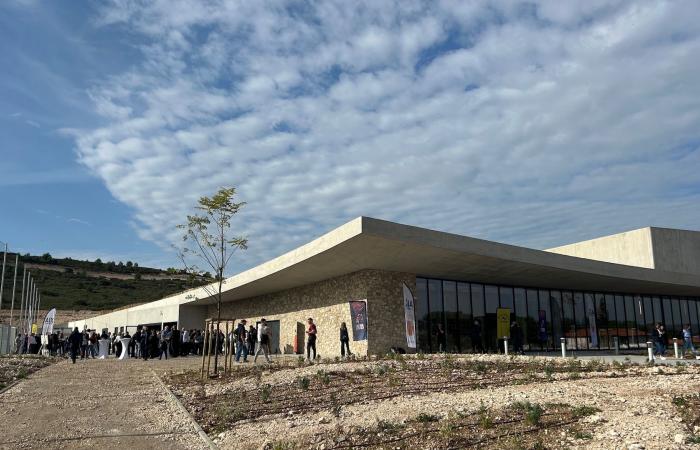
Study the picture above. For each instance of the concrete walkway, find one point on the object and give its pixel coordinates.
(95, 404)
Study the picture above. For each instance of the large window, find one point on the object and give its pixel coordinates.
(586, 320)
(581, 329)
(449, 295)
(422, 315)
(568, 323)
(465, 316)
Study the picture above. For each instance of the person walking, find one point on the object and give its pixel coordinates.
(263, 341)
(166, 335)
(311, 333)
(344, 340)
(241, 347)
(688, 341)
(75, 339)
(657, 336)
(185, 344)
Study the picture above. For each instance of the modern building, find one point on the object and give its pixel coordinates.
(594, 293)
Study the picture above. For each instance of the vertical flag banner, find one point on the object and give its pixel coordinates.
(543, 326)
(503, 323)
(410, 316)
(358, 313)
(47, 328)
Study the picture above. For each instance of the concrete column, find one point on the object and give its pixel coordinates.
(505, 345)
(616, 345)
(650, 351)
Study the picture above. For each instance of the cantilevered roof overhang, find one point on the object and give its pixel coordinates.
(367, 243)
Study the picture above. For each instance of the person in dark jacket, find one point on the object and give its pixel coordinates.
(475, 334)
(144, 344)
(344, 340)
(516, 335)
(441, 338)
(75, 339)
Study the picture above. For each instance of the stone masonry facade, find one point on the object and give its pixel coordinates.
(327, 303)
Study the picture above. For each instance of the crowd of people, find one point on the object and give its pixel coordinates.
(243, 340)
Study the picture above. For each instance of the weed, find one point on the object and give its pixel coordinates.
(583, 411)
(539, 446)
(265, 392)
(575, 375)
(385, 425)
(300, 361)
(381, 369)
(303, 383)
(533, 415)
(323, 376)
(448, 428)
(282, 445)
(694, 439)
(583, 435)
(426, 418)
(22, 373)
(420, 355)
(680, 402)
(548, 371)
(448, 361)
(485, 419)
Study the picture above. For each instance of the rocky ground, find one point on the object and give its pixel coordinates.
(439, 402)
(14, 368)
(447, 402)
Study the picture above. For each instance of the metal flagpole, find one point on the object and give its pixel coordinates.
(31, 307)
(14, 288)
(26, 302)
(21, 304)
(12, 305)
(2, 281)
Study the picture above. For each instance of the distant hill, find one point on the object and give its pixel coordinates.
(68, 283)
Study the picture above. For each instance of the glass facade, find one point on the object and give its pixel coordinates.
(586, 320)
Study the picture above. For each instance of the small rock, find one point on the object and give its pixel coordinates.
(679, 438)
(635, 446)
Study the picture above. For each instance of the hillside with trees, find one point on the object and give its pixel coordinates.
(68, 283)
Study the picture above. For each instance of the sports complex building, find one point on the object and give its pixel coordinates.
(592, 293)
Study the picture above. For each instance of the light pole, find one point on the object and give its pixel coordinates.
(12, 305)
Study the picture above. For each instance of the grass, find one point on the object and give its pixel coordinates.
(265, 392)
(485, 419)
(583, 435)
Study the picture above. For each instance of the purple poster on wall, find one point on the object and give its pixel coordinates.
(358, 313)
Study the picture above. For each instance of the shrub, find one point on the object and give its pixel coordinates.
(303, 383)
(485, 419)
(533, 415)
(583, 435)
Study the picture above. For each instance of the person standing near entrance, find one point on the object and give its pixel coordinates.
(657, 336)
(241, 347)
(441, 338)
(75, 339)
(344, 340)
(516, 335)
(475, 335)
(311, 339)
(688, 341)
(263, 341)
(144, 343)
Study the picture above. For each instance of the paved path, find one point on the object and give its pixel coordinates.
(96, 404)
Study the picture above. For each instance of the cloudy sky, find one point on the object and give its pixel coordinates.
(534, 123)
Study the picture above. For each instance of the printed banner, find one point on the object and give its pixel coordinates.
(503, 323)
(34, 328)
(410, 316)
(47, 328)
(358, 313)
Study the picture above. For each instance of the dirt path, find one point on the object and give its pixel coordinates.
(95, 404)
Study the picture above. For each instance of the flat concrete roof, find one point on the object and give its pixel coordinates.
(367, 243)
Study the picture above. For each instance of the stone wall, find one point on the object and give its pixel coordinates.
(327, 303)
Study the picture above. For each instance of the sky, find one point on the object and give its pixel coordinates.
(531, 123)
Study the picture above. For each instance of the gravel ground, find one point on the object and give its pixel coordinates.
(95, 404)
(636, 408)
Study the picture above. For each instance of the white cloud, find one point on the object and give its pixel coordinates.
(531, 125)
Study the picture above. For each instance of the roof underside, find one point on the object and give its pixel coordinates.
(367, 243)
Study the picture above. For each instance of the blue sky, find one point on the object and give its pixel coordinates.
(534, 123)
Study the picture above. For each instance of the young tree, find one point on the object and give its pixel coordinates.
(208, 239)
